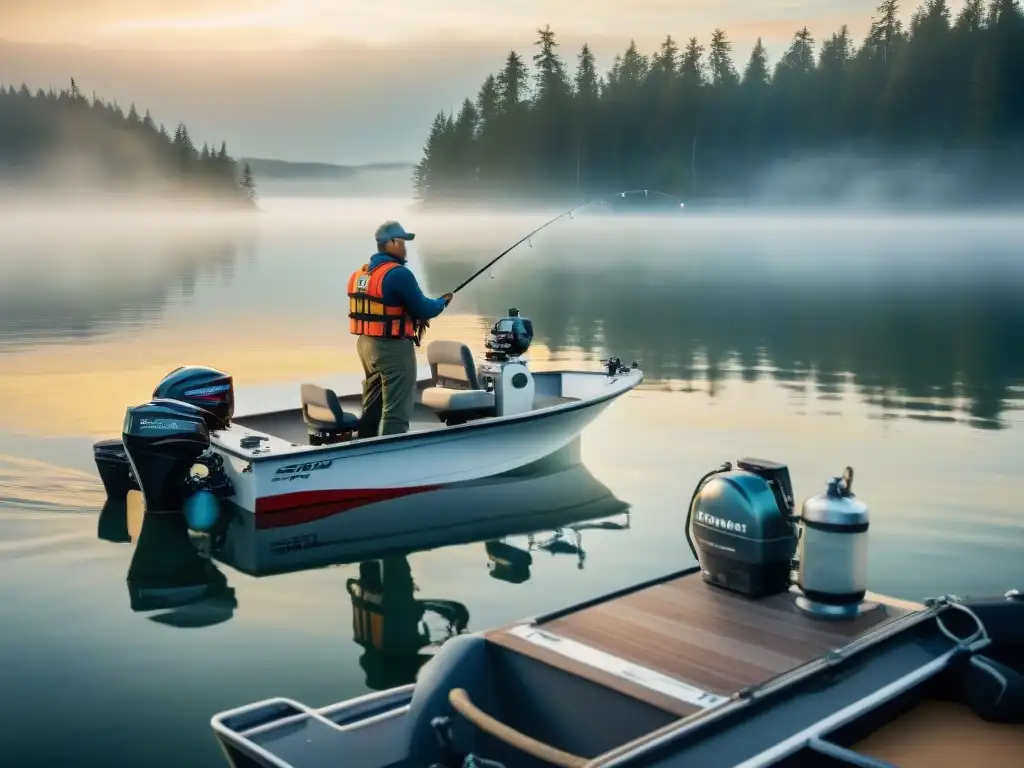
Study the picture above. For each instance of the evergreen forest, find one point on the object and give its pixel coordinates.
(63, 143)
(936, 99)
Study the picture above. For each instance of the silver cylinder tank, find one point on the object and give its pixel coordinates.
(833, 550)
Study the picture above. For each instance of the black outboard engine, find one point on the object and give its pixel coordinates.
(163, 439)
(206, 388)
(509, 337)
(740, 528)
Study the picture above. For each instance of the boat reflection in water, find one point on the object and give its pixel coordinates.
(545, 509)
(167, 572)
(389, 621)
(510, 563)
(394, 627)
(551, 493)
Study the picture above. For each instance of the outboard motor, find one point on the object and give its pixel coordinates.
(744, 532)
(739, 527)
(163, 439)
(205, 388)
(509, 338)
(504, 371)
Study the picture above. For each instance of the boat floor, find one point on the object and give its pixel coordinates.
(682, 645)
(289, 425)
(938, 733)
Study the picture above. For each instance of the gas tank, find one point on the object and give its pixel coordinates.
(833, 550)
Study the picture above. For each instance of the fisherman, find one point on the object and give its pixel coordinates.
(387, 310)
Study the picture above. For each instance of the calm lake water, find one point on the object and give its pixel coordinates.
(892, 345)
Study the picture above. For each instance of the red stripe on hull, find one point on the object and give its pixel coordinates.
(309, 506)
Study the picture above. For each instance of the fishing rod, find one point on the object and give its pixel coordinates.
(422, 325)
(516, 244)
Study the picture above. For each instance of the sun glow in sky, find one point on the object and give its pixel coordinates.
(274, 23)
(339, 63)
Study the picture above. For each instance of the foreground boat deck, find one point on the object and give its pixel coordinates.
(683, 646)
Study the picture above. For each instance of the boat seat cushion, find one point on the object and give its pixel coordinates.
(321, 409)
(456, 388)
(453, 400)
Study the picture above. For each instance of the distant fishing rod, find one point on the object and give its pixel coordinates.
(516, 244)
(546, 224)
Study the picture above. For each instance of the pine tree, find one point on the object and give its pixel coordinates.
(756, 74)
(511, 82)
(722, 70)
(247, 183)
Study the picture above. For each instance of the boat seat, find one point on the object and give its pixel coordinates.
(322, 410)
(455, 393)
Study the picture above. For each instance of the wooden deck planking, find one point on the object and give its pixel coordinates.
(703, 635)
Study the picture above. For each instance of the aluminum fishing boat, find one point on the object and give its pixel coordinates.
(280, 466)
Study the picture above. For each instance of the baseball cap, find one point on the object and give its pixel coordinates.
(392, 230)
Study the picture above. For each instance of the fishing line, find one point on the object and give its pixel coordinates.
(529, 237)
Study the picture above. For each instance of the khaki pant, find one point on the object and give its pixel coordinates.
(389, 386)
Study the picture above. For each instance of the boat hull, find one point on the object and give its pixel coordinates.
(291, 485)
(558, 486)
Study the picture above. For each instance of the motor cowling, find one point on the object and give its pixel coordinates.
(740, 528)
(203, 387)
(163, 439)
(509, 337)
(833, 551)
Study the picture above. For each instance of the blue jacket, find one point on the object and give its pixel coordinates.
(401, 288)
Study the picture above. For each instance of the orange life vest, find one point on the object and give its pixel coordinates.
(367, 312)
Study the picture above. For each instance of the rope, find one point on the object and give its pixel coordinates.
(978, 639)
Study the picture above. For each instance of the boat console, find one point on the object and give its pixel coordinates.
(504, 371)
(501, 386)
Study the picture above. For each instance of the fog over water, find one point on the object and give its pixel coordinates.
(819, 338)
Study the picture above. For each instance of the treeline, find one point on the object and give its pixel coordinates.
(689, 121)
(63, 142)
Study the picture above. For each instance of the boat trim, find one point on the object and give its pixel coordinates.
(479, 424)
(617, 667)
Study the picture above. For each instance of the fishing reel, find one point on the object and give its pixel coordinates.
(421, 329)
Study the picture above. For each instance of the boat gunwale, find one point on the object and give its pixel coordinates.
(399, 695)
(464, 429)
